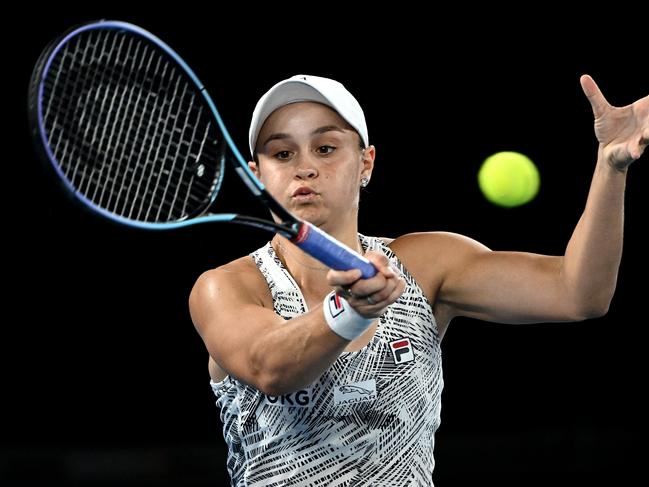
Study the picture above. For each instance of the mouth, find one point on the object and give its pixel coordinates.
(304, 193)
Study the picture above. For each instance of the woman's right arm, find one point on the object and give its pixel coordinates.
(252, 343)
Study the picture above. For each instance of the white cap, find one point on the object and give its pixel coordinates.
(308, 88)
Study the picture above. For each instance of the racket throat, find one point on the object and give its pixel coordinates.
(288, 230)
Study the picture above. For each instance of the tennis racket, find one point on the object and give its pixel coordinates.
(133, 135)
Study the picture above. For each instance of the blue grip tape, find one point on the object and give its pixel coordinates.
(330, 251)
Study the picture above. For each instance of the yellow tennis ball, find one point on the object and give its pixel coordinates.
(509, 179)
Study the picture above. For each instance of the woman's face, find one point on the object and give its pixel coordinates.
(310, 160)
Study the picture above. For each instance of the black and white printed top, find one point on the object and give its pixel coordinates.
(369, 420)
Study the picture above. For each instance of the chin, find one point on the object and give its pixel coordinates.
(312, 215)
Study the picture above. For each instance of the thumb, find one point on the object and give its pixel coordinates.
(381, 263)
(594, 94)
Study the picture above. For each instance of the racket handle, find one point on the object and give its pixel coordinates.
(330, 251)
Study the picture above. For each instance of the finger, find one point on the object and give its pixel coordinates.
(401, 287)
(644, 138)
(594, 94)
(365, 287)
(395, 292)
(390, 272)
(386, 295)
(381, 263)
(636, 151)
(383, 295)
(343, 278)
(374, 307)
(377, 258)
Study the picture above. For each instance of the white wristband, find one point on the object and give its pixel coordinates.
(342, 318)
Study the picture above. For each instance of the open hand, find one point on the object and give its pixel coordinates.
(622, 132)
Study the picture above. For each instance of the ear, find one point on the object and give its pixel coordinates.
(368, 154)
(252, 165)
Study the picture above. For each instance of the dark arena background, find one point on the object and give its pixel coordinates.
(104, 378)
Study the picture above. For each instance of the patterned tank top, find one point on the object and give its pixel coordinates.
(369, 420)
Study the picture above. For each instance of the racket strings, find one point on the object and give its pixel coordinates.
(129, 130)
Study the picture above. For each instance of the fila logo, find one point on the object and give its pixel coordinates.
(402, 351)
(336, 306)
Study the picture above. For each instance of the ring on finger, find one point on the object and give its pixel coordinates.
(370, 300)
(346, 292)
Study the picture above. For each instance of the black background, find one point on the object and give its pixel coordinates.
(104, 376)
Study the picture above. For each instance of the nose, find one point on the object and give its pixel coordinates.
(305, 168)
(306, 173)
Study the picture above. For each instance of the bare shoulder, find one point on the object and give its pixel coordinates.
(430, 256)
(236, 282)
(444, 249)
(430, 242)
(433, 238)
(230, 306)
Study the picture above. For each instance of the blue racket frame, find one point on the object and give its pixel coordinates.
(303, 234)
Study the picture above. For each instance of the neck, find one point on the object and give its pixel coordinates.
(308, 271)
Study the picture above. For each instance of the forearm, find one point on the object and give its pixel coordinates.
(593, 255)
(295, 354)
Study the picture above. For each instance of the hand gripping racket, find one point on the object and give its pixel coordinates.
(134, 136)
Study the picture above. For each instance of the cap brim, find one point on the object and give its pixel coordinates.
(285, 93)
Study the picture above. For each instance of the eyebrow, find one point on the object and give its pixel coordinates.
(318, 131)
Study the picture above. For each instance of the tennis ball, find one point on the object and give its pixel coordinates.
(509, 179)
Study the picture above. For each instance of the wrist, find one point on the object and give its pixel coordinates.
(344, 320)
(607, 163)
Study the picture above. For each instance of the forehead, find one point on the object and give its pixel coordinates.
(301, 117)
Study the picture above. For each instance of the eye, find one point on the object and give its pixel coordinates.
(325, 149)
(283, 155)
